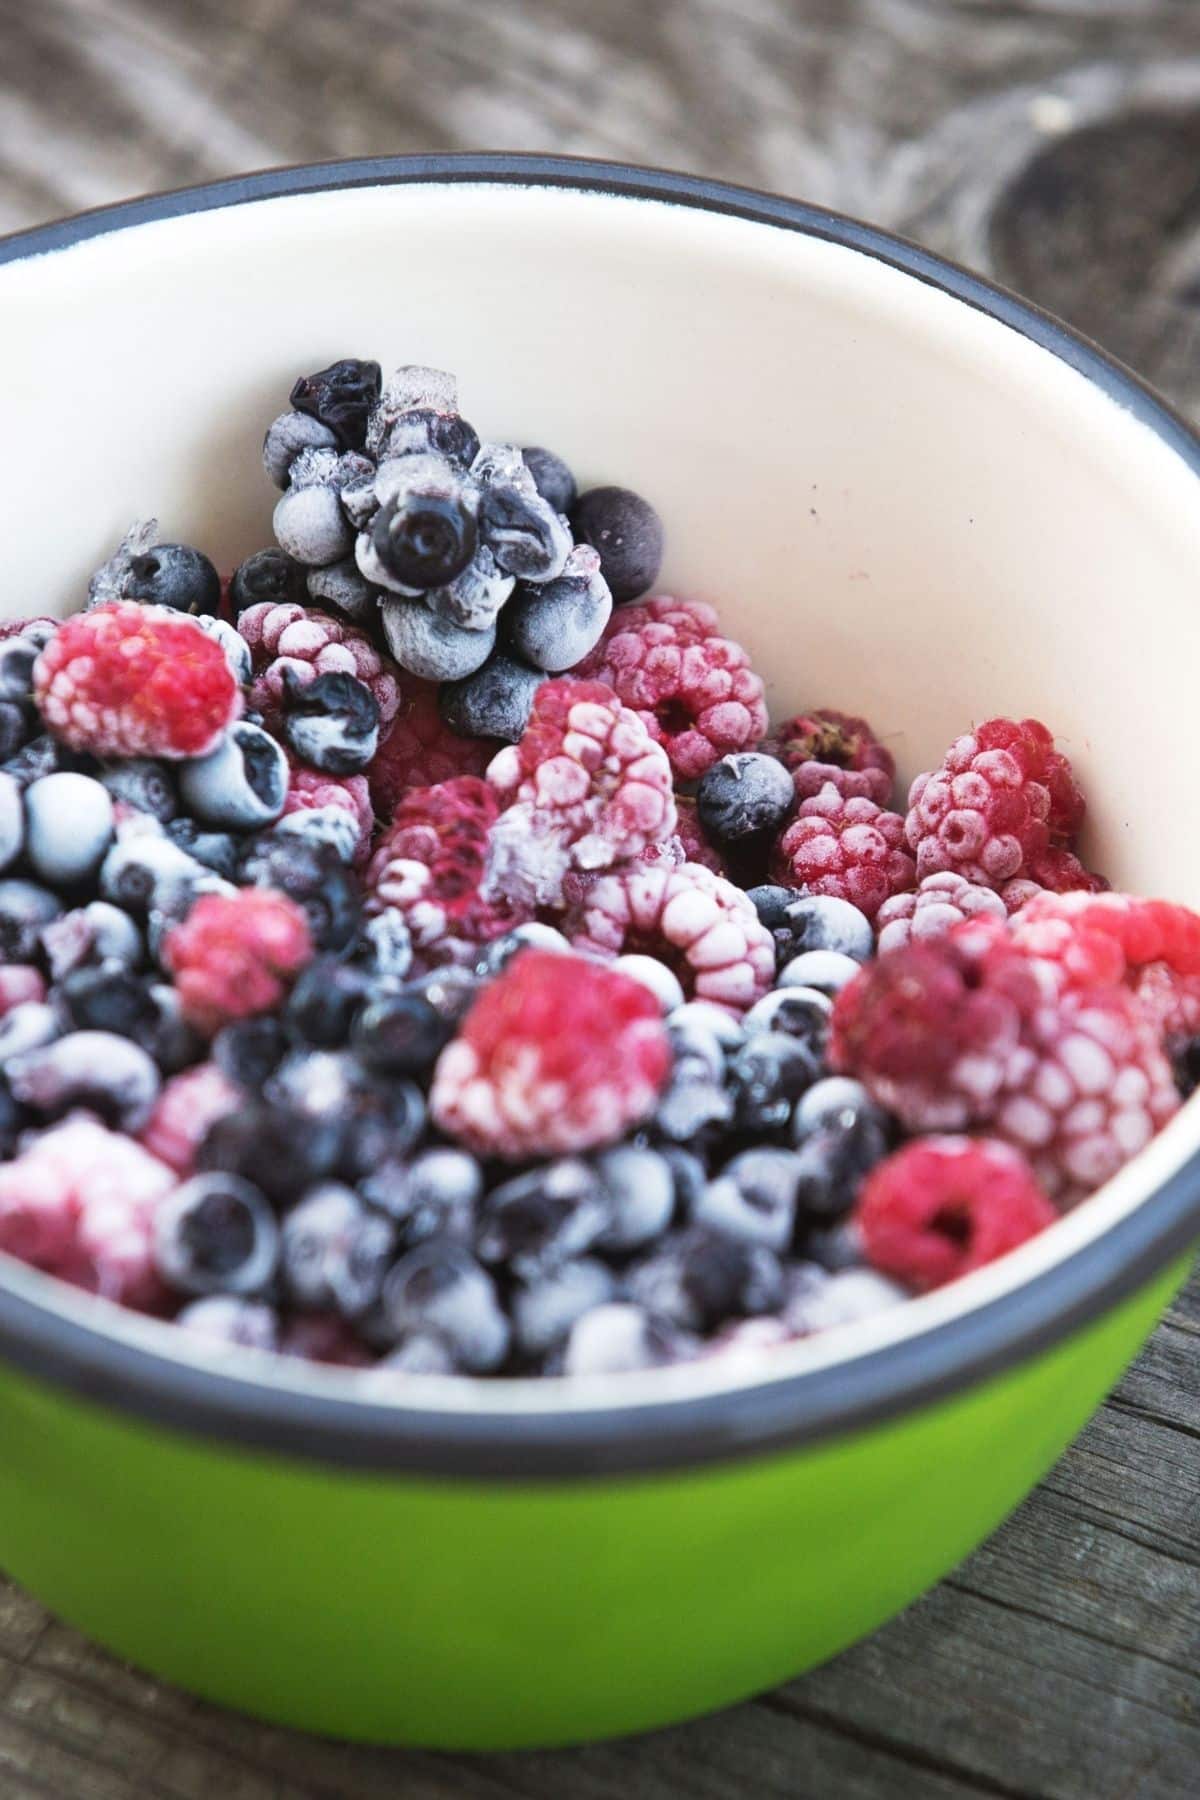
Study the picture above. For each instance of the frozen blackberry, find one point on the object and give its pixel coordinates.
(268, 575)
(215, 1234)
(331, 723)
(341, 397)
(315, 877)
(627, 532)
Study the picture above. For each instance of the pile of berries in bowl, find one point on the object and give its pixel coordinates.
(419, 952)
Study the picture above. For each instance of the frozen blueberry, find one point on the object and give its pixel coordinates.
(384, 948)
(12, 816)
(619, 1339)
(311, 526)
(834, 1159)
(439, 1289)
(435, 649)
(640, 1186)
(833, 1247)
(110, 997)
(39, 756)
(341, 397)
(174, 1042)
(344, 587)
(627, 532)
(656, 976)
(420, 1354)
(426, 430)
(826, 970)
(523, 531)
(425, 532)
(384, 1124)
(743, 797)
(767, 1075)
(823, 922)
(321, 1006)
(175, 575)
(228, 1319)
(90, 935)
(324, 1083)
(17, 657)
(331, 723)
(68, 827)
(334, 1251)
(250, 1050)
(435, 1195)
(25, 909)
(279, 1149)
(148, 873)
(145, 783)
(798, 1011)
(237, 650)
(216, 850)
(240, 785)
(493, 702)
(531, 936)
(215, 1234)
(401, 1034)
(331, 827)
(545, 1217)
(29, 1026)
(451, 991)
(845, 1298)
(711, 1022)
(289, 435)
(544, 1311)
(267, 575)
(699, 1278)
(18, 721)
(837, 1100)
(753, 1199)
(474, 598)
(314, 876)
(553, 624)
(109, 1075)
(551, 476)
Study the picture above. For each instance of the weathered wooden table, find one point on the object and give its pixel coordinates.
(1055, 143)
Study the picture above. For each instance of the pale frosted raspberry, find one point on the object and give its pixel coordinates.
(696, 922)
(938, 903)
(850, 849)
(236, 954)
(311, 789)
(189, 1103)
(19, 982)
(283, 636)
(826, 745)
(420, 751)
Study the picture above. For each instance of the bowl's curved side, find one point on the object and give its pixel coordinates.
(474, 1616)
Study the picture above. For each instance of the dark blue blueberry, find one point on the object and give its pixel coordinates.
(435, 1195)
(24, 909)
(767, 1075)
(753, 1199)
(832, 1247)
(450, 991)
(547, 1216)
(823, 922)
(243, 783)
(18, 721)
(423, 431)
(425, 536)
(17, 657)
(493, 702)
(314, 876)
(627, 532)
(834, 1159)
(331, 723)
(174, 1042)
(384, 1124)
(109, 1075)
(322, 1005)
(551, 476)
(250, 1050)
(553, 624)
(699, 1278)
(401, 1034)
(215, 1234)
(267, 575)
(335, 1252)
(279, 1149)
(145, 783)
(217, 850)
(110, 997)
(439, 1290)
(744, 796)
(341, 397)
(640, 1186)
(174, 575)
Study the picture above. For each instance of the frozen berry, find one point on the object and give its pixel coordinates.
(767, 1075)
(825, 745)
(696, 689)
(426, 430)
(343, 586)
(145, 783)
(110, 997)
(655, 975)
(227, 1319)
(215, 1235)
(174, 575)
(552, 478)
(68, 827)
(531, 935)
(331, 723)
(545, 1310)
(237, 650)
(309, 522)
(627, 532)
(401, 1034)
(310, 792)
(425, 532)
(743, 797)
(268, 575)
(278, 1149)
(440, 1289)
(493, 702)
(335, 1252)
(538, 1221)
(639, 1185)
(250, 1050)
(820, 922)
(474, 598)
(420, 751)
(308, 643)
(131, 680)
(827, 971)
(434, 648)
(19, 984)
(943, 1206)
(216, 850)
(107, 1074)
(846, 1297)
(753, 1199)
(240, 785)
(13, 818)
(25, 909)
(237, 955)
(436, 1194)
(619, 1339)
(522, 530)
(312, 875)
(938, 902)
(341, 397)
(553, 624)
(18, 721)
(700, 1277)
(288, 437)
(847, 849)
(799, 1012)
(89, 935)
(188, 1105)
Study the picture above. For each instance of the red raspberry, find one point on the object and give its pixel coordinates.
(943, 1206)
(19, 982)
(1153, 945)
(850, 849)
(938, 903)
(695, 689)
(585, 788)
(132, 680)
(825, 745)
(696, 922)
(189, 1103)
(431, 865)
(79, 1203)
(557, 1055)
(1002, 799)
(420, 751)
(283, 635)
(309, 789)
(10, 628)
(235, 955)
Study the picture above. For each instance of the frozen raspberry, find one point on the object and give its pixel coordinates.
(851, 849)
(943, 1206)
(691, 839)
(189, 1103)
(586, 787)
(825, 745)
(235, 954)
(283, 636)
(1018, 893)
(695, 688)
(133, 680)
(1002, 799)
(79, 1202)
(421, 751)
(310, 790)
(1092, 939)
(324, 1338)
(699, 924)
(431, 863)
(19, 982)
(938, 903)
(557, 1055)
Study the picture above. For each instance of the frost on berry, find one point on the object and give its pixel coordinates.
(557, 1055)
(585, 788)
(311, 790)
(699, 924)
(420, 750)
(829, 746)
(189, 1103)
(695, 688)
(284, 636)
(236, 955)
(430, 866)
(848, 848)
(939, 902)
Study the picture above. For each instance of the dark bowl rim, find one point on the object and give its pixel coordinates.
(743, 1421)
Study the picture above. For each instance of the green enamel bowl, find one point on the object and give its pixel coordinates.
(912, 496)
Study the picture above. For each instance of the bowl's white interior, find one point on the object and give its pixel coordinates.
(901, 506)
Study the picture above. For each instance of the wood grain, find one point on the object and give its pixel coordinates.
(1055, 143)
